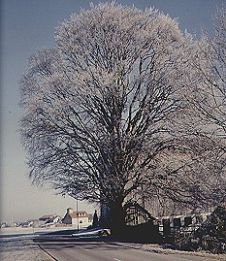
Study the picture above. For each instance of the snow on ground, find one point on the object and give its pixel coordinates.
(159, 249)
(21, 250)
(31, 230)
(16, 244)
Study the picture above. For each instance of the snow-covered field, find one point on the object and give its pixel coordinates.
(29, 230)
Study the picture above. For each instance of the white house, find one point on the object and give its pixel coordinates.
(79, 219)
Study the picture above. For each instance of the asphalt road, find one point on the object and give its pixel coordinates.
(77, 250)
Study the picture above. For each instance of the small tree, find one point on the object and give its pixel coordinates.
(95, 219)
(96, 106)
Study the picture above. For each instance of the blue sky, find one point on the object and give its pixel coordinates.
(28, 26)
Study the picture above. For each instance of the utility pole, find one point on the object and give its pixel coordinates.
(77, 214)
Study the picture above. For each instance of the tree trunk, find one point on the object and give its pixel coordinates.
(117, 218)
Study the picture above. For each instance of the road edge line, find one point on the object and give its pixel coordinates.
(47, 253)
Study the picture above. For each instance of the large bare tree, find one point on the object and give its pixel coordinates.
(96, 106)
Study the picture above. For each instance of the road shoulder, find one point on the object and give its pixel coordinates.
(22, 250)
(155, 248)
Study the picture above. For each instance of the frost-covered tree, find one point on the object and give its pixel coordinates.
(96, 106)
(189, 174)
(210, 63)
(208, 100)
(192, 172)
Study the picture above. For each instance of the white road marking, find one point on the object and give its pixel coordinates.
(116, 259)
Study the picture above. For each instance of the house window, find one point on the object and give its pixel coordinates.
(199, 219)
(187, 221)
(176, 222)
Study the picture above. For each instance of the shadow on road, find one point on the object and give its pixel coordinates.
(51, 242)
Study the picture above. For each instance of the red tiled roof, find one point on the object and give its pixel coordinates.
(78, 214)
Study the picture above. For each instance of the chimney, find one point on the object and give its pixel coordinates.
(70, 211)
